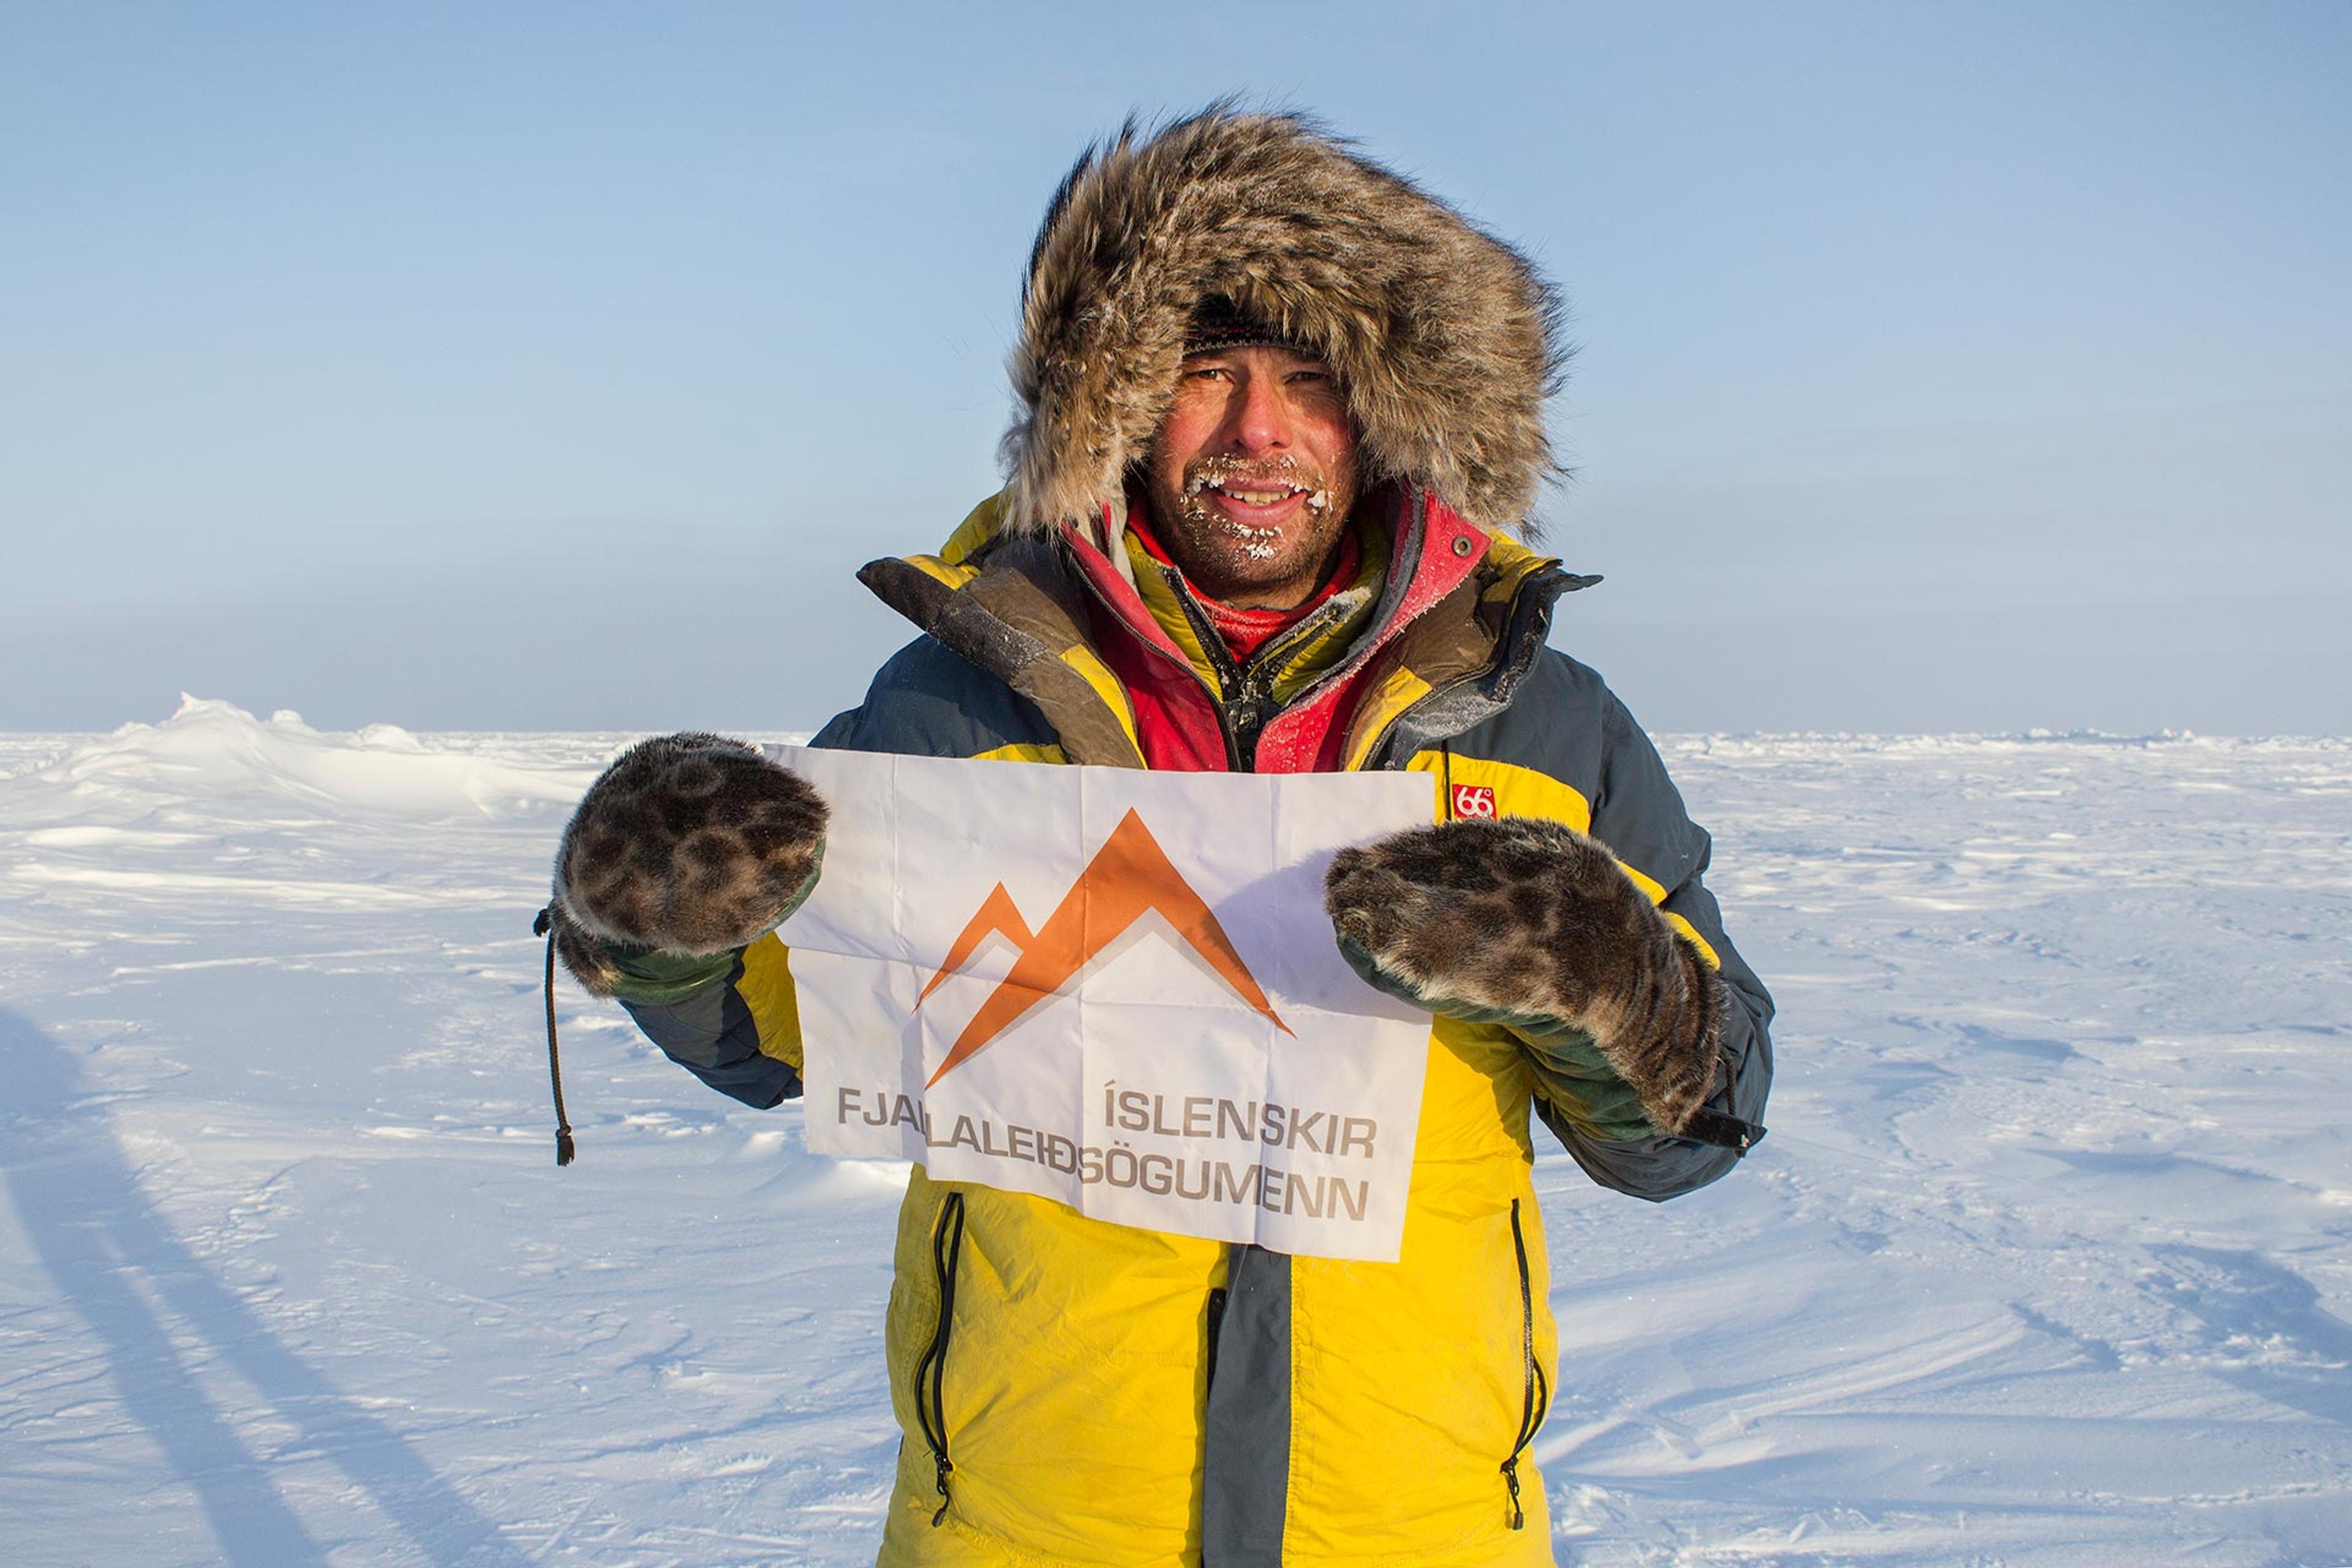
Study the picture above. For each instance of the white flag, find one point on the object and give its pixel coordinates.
(1113, 988)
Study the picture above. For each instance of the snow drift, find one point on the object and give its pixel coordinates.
(212, 753)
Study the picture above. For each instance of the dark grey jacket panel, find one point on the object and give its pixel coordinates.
(929, 701)
(1563, 721)
(712, 1035)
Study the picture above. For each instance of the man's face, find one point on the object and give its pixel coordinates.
(1252, 474)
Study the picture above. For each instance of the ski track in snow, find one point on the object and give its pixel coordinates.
(2044, 1262)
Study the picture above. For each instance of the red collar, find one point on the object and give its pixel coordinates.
(1243, 629)
(1176, 721)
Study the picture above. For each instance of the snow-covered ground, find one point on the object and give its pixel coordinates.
(2044, 1262)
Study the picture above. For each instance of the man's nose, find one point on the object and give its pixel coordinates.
(1261, 416)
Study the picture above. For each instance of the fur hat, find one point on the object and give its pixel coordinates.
(1445, 338)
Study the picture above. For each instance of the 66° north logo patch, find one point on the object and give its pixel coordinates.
(1474, 800)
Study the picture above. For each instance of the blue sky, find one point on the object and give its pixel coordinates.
(554, 366)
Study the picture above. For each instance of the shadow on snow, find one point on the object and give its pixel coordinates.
(112, 1254)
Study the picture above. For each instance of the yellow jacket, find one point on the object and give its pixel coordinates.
(1080, 1394)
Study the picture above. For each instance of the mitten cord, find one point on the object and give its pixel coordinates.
(564, 1148)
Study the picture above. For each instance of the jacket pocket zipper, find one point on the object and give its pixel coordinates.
(932, 1370)
(1536, 1399)
(1216, 1323)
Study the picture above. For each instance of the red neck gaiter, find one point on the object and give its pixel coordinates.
(1243, 630)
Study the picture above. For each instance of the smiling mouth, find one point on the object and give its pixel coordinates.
(1255, 492)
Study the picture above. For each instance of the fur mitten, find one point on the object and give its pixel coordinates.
(1532, 918)
(689, 845)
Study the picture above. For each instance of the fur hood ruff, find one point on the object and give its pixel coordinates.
(1445, 338)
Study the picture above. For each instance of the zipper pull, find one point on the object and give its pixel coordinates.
(1249, 717)
(940, 1517)
(1510, 1480)
(1246, 714)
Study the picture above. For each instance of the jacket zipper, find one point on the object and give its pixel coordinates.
(931, 1412)
(1537, 1396)
(1241, 716)
(1245, 698)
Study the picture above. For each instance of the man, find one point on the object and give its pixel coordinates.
(1281, 412)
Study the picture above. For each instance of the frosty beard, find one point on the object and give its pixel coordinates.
(1270, 565)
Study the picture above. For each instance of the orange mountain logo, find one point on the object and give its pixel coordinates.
(1129, 876)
